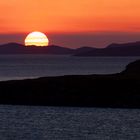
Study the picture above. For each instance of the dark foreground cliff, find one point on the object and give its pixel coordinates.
(117, 90)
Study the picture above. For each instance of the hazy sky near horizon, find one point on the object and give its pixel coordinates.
(71, 22)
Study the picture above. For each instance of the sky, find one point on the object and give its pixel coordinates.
(71, 23)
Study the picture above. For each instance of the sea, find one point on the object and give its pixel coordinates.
(64, 123)
(14, 67)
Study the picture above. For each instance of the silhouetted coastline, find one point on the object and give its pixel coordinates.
(120, 90)
(126, 49)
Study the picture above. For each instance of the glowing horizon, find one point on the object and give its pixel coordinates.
(71, 23)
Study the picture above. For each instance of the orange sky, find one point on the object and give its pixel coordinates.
(65, 16)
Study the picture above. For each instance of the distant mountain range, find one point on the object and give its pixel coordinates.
(15, 48)
(126, 49)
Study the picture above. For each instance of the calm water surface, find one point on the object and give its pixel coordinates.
(59, 123)
(31, 66)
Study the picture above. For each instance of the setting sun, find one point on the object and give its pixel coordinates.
(36, 39)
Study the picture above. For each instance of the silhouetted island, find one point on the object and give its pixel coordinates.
(121, 90)
(126, 49)
(15, 48)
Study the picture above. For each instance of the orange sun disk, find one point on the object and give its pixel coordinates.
(36, 39)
